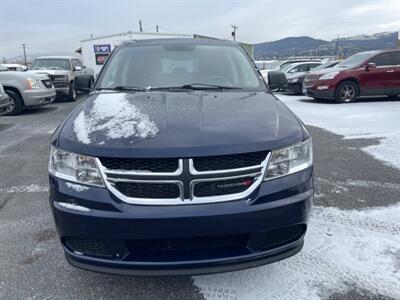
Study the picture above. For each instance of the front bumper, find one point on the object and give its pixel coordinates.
(39, 97)
(321, 90)
(270, 211)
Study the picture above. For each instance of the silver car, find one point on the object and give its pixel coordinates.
(26, 90)
(4, 100)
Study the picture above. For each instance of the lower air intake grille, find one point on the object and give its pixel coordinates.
(148, 190)
(188, 244)
(87, 246)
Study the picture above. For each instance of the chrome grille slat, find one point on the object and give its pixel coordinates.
(186, 177)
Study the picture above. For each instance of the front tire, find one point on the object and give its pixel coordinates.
(346, 92)
(16, 105)
(72, 94)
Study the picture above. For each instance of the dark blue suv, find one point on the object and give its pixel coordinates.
(180, 161)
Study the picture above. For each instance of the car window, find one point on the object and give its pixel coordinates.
(313, 66)
(300, 68)
(383, 59)
(396, 58)
(51, 63)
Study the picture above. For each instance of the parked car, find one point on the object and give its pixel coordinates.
(26, 90)
(66, 72)
(4, 100)
(284, 65)
(295, 79)
(180, 161)
(363, 74)
(15, 67)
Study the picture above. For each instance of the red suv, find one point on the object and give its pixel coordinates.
(363, 74)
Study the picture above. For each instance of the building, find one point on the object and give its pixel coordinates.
(95, 50)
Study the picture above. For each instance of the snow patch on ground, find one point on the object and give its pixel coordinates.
(373, 119)
(31, 188)
(343, 250)
(77, 187)
(114, 118)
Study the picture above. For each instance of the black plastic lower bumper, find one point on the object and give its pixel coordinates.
(169, 269)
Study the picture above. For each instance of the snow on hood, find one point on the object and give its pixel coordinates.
(114, 119)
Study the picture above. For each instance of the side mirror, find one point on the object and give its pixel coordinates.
(276, 80)
(370, 65)
(77, 68)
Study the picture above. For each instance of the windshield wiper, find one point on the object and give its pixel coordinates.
(124, 88)
(195, 86)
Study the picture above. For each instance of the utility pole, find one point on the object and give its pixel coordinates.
(234, 31)
(337, 47)
(24, 49)
(4, 59)
(140, 26)
(156, 28)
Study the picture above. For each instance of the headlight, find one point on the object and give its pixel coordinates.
(329, 76)
(294, 80)
(33, 83)
(290, 160)
(74, 167)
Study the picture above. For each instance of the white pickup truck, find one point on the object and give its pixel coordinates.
(67, 73)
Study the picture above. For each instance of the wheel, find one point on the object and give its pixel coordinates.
(72, 94)
(297, 89)
(346, 92)
(16, 105)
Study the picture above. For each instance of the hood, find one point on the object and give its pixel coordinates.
(180, 124)
(21, 75)
(327, 70)
(49, 72)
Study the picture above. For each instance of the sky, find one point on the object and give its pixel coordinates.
(58, 25)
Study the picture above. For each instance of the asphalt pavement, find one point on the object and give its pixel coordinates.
(31, 259)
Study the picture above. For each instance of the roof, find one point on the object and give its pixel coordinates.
(305, 62)
(136, 33)
(187, 41)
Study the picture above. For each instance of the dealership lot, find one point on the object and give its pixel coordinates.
(352, 248)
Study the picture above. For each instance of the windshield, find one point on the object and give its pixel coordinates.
(180, 65)
(355, 60)
(51, 64)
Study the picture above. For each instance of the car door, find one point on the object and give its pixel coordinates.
(82, 78)
(380, 79)
(396, 68)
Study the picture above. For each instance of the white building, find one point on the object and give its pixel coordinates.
(95, 50)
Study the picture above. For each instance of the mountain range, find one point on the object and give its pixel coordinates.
(308, 46)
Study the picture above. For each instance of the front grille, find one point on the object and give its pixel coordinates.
(170, 181)
(59, 81)
(187, 244)
(148, 190)
(47, 83)
(310, 80)
(224, 162)
(163, 165)
(222, 187)
(87, 246)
